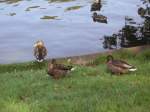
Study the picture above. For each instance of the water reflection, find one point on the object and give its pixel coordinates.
(32, 7)
(146, 28)
(12, 14)
(10, 1)
(16, 1)
(50, 1)
(50, 17)
(110, 42)
(73, 8)
(132, 34)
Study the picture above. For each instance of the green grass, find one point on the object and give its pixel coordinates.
(27, 88)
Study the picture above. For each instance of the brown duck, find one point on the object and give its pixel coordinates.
(119, 66)
(58, 71)
(40, 51)
(99, 18)
(96, 6)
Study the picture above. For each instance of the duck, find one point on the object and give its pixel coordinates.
(96, 6)
(119, 66)
(40, 51)
(99, 18)
(58, 71)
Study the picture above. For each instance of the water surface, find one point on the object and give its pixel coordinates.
(65, 26)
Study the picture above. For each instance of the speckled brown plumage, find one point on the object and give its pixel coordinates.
(58, 71)
(40, 51)
(118, 66)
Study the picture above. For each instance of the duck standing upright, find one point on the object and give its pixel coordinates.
(58, 71)
(119, 66)
(40, 51)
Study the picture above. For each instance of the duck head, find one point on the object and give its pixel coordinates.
(109, 58)
(39, 44)
(94, 16)
(97, 1)
(51, 64)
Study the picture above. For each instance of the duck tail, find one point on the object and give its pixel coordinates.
(40, 60)
(133, 69)
(72, 69)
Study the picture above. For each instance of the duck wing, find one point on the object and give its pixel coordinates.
(63, 67)
(36, 53)
(42, 51)
(57, 73)
(116, 69)
(122, 64)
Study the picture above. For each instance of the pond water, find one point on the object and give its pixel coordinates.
(66, 26)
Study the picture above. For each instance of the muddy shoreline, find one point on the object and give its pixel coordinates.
(84, 59)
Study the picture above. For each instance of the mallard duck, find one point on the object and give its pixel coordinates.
(119, 66)
(99, 18)
(58, 70)
(40, 51)
(96, 6)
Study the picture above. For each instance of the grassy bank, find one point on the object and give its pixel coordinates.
(27, 88)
